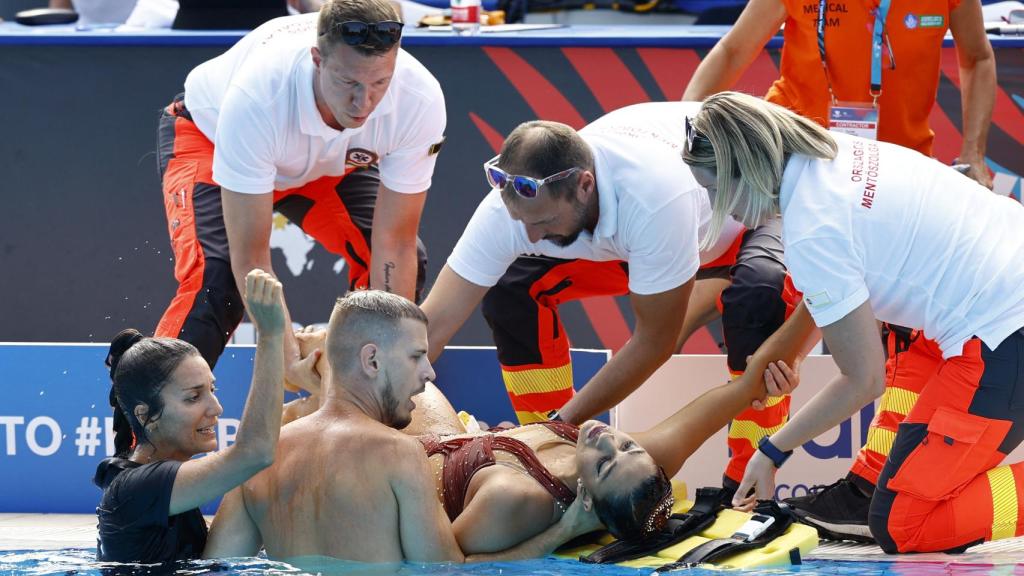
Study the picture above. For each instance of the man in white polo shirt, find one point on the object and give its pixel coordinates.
(608, 210)
(321, 118)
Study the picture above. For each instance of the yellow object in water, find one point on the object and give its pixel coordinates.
(775, 553)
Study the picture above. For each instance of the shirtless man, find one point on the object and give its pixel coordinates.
(345, 482)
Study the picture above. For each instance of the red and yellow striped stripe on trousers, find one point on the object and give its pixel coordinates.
(535, 390)
(747, 430)
(944, 486)
(1007, 486)
(910, 365)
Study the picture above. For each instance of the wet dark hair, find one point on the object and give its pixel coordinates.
(634, 514)
(139, 368)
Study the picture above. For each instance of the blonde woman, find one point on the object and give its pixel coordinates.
(874, 230)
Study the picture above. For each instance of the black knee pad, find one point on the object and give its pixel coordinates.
(749, 316)
(421, 269)
(216, 312)
(501, 303)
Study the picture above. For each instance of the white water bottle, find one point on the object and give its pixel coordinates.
(465, 16)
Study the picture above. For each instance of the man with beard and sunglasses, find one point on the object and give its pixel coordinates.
(608, 210)
(345, 482)
(321, 118)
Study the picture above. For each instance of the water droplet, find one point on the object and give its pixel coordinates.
(41, 392)
(65, 372)
(63, 436)
(92, 406)
(106, 317)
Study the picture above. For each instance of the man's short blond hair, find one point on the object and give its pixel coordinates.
(366, 317)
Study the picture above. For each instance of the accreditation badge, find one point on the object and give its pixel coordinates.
(854, 118)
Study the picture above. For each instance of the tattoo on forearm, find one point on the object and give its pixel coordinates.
(388, 267)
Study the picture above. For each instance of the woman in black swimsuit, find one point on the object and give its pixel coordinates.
(165, 412)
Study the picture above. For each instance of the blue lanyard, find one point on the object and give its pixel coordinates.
(822, 9)
(878, 37)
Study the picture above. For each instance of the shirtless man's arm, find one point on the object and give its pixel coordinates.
(233, 532)
(424, 529)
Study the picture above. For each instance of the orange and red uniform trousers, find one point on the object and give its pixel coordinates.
(533, 348)
(942, 487)
(911, 360)
(930, 497)
(337, 211)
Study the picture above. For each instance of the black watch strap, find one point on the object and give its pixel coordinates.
(554, 416)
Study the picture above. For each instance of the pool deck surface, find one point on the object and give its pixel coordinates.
(57, 531)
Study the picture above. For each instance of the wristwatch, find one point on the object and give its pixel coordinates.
(778, 457)
(554, 416)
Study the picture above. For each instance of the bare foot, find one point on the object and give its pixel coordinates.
(311, 338)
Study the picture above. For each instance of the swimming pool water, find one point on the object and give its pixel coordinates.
(83, 562)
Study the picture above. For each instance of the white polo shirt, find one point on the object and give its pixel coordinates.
(927, 246)
(255, 102)
(652, 211)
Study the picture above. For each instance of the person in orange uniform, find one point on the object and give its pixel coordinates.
(812, 82)
(870, 68)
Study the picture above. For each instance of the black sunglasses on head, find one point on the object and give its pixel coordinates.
(385, 33)
(692, 135)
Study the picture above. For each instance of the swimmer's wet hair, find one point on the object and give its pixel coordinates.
(642, 510)
(140, 366)
(540, 148)
(364, 316)
(746, 141)
(334, 12)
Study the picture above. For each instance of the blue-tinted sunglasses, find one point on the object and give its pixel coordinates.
(525, 186)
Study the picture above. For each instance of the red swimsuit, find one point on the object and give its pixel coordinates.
(464, 457)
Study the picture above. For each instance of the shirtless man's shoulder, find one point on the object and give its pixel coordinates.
(352, 472)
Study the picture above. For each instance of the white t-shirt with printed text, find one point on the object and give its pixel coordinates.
(652, 211)
(255, 103)
(928, 247)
